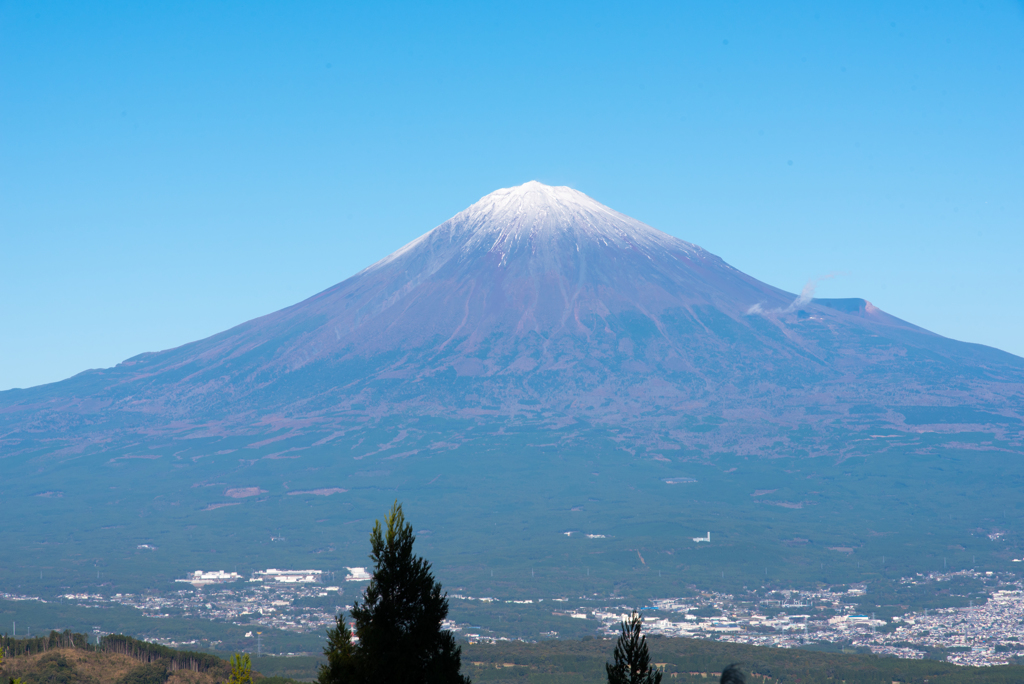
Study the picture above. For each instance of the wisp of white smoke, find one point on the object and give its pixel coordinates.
(805, 296)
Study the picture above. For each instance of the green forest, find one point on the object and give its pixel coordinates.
(698, 660)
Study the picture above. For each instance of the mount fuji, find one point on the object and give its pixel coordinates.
(536, 366)
(536, 304)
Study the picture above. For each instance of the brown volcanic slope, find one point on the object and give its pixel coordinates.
(536, 305)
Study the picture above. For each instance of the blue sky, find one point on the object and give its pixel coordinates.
(168, 170)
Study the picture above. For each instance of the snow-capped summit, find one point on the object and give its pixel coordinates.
(534, 206)
(541, 220)
(532, 195)
(534, 210)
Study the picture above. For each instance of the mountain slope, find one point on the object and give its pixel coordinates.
(537, 303)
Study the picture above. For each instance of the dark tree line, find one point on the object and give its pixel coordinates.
(12, 647)
(145, 652)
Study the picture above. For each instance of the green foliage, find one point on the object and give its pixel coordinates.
(241, 669)
(151, 673)
(15, 647)
(632, 663)
(398, 622)
(732, 675)
(688, 661)
(282, 669)
(54, 668)
(147, 652)
(157, 662)
(341, 653)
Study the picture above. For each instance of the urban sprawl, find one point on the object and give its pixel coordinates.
(990, 633)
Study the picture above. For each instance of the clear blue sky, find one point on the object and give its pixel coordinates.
(168, 170)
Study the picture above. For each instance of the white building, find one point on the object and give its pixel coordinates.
(287, 576)
(358, 575)
(201, 579)
(703, 539)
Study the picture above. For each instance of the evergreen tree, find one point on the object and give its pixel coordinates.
(341, 666)
(241, 669)
(632, 661)
(398, 622)
(732, 675)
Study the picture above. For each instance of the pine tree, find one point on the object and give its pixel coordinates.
(632, 661)
(241, 669)
(398, 622)
(341, 666)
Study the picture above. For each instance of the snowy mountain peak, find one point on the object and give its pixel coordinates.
(534, 201)
(535, 221)
(534, 195)
(538, 213)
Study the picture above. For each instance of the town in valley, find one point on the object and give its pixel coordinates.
(988, 631)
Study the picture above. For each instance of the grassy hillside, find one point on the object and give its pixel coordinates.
(77, 666)
(66, 658)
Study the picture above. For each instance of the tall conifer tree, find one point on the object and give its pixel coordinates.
(398, 622)
(632, 661)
